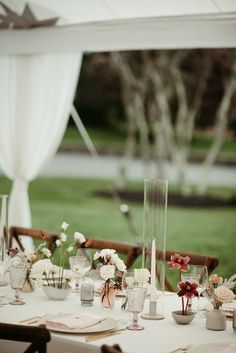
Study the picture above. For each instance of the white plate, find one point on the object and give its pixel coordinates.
(209, 348)
(105, 325)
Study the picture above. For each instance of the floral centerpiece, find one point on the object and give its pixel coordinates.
(56, 275)
(110, 263)
(181, 263)
(218, 292)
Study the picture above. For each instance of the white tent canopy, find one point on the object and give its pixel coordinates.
(39, 67)
(104, 25)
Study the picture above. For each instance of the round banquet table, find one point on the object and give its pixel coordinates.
(159, 336)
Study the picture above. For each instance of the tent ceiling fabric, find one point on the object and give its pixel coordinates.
(104, 25)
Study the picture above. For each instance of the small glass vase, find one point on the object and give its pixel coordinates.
(215, 320)
(29, 285)
(107, 295)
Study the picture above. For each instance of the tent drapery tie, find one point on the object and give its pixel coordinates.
(19, 208)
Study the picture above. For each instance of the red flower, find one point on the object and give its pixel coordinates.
(187, 289)
(179, 262)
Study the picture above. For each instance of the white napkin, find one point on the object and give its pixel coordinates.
(74, 321)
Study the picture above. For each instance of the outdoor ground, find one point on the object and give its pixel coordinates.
(204, 230)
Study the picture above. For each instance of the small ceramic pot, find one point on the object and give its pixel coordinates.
(183, 319)
(215, 320)
(57, 293)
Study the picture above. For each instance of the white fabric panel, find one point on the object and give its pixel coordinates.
(152, 33)
(36, 94)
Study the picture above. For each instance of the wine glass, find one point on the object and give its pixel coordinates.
(136, 297)
(192, 278)
(17, 280)
(201, 272)
(127, 282)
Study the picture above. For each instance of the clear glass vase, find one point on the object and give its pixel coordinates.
(107, 295)
(3, 238)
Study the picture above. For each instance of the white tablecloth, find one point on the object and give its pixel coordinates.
(159, 336)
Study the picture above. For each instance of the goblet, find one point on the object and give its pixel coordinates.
(136, 297)
(200, 272)
(17, 280)
(192, 278)
(127, 283)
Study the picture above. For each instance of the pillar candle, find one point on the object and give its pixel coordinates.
(153, 291)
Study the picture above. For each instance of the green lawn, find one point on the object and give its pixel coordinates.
(205, 230)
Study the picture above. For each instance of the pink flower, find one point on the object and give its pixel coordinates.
(187, 289)
(179, 262)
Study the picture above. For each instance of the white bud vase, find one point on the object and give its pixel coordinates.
(215, 320)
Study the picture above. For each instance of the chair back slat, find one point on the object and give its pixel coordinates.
(17, 232)
(38, 336)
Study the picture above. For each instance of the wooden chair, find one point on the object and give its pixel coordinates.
(111, 349)
(195, 259)
(131, 252)
(17, 232)
(37, 336)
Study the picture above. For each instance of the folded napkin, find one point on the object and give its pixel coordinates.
(228, 308)
(75, 321)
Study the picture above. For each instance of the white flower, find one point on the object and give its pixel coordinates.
(64, 226)
(107, 272)
(69, 249)
(104, 254)
(68, 275)
(141, 275)
(58, 242)
(124, 208)
(40, 267)
(224, 294)
(46, 252)
(63, 237)
(118, 262)
(76, 268)
(79, 237)
(30, 255)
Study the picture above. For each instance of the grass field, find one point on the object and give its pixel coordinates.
(203, 230)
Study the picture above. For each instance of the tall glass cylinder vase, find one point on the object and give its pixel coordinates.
(154, 241)
(3, 237)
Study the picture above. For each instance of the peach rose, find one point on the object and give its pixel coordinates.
(215, 279)
(224, 294)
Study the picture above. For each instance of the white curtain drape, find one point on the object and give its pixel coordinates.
(36, 95)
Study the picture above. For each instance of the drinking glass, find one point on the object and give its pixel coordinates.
(17, 280)
(127, 280)
(136, 297)
(80, 265)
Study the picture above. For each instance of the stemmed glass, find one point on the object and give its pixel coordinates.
(17, 280)
(80, 265)
(136, 297)
(127, 283)
(200, 273)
